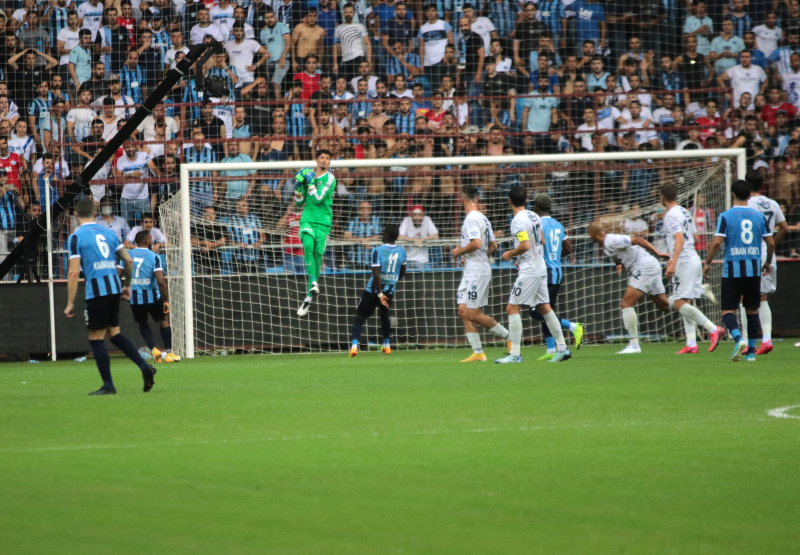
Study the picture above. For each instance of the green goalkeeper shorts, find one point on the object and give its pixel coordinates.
(319, 232)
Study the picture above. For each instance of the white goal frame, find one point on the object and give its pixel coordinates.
(736, 154)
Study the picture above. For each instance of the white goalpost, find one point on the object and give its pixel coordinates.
(236, 278)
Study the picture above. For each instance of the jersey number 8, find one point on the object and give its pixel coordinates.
(747, 232)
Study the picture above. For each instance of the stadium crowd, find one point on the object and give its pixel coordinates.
(386, 79)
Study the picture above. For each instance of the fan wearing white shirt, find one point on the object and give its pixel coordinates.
(203, 28)
(20, 142)
(416, 229)
(79, 119)
(587, 131)
(644, 276)
(241, 52)
(222, 16)
(147, 127)
(768, 35)
(645, 132)
(477, 244)
(744, 78)
(134, 198)
(91, 15)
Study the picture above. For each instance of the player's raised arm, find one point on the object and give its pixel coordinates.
(300, 187)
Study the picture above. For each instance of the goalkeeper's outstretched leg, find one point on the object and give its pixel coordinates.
(314, 243)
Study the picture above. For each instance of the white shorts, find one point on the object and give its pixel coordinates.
(647, 279)
(473, 291)
(529, 291)
(687, 283)
(769, 283)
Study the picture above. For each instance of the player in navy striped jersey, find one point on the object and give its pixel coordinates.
(775, 220)
(739, 230)
(149, 296)
(388, 267)
(555, 240)
(95, 250)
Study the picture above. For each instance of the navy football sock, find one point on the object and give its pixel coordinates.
(147, 335)
(753, 331)
(166, 337)
(124, 344)
(386, 327)
(357, 325)
(102, 361)
(732, 323)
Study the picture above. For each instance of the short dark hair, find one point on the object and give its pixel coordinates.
(470, 191)
(543, 203)
(754, 179)
(390, 233)
(84, 32)
(741, 189)
(148, 216)
(141, 238)
(322, 151)
(670, 192)
(517, 196)
(84, 208)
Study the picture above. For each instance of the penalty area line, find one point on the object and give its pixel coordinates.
(781, 412)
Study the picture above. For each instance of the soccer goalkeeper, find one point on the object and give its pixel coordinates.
(314, 188)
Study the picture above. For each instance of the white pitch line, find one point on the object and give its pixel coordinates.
(180, 442)
(781, 412)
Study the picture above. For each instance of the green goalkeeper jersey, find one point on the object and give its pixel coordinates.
(317, 195)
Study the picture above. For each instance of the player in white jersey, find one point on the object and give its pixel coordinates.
(530, 287)
(477, 243)
(685, 269)
(769, 282)
(644, 276)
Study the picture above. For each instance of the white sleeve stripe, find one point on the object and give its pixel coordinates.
(74, 256)
(376, 265)
(120, 246)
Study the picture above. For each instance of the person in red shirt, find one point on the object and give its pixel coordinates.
(127, 20)
(309, 77)
(436, 114)
(775, 104)
(12, 162)
(710, 122)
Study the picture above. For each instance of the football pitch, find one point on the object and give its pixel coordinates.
(408, 453)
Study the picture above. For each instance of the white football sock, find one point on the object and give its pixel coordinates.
(555, 330)
(743, 322)
(694, 313)
(515, 328)
(500, 331)
(765, 314)
(631, 322)
(475, 342)
(691, 331)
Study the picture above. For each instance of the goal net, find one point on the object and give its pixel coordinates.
(235, 266)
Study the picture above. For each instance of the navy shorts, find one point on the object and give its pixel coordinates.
(744, 289)
(369, 302)
(102, 312)
(155, 310)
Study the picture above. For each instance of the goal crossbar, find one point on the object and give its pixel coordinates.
(737, 155)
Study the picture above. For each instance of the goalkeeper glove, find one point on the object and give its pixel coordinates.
(298, 195)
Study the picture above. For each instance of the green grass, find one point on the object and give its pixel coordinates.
(413, 453)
